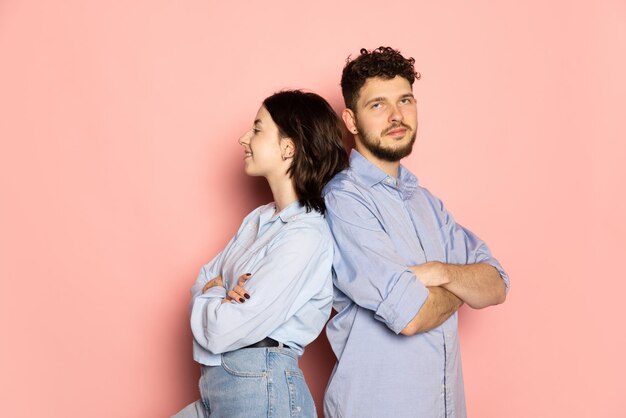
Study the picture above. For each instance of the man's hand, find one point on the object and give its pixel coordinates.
(431, 274)
(239, 294)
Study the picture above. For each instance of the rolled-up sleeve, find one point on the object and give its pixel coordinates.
(367, 269)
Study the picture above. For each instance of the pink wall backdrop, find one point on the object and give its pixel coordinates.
(120, 175)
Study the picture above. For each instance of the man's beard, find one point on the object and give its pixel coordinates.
(386, 154)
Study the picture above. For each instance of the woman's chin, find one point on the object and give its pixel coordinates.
(251, 172)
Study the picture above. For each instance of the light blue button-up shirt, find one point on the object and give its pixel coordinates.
(381, 225)
(290, 258)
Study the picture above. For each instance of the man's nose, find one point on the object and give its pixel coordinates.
(396, 114)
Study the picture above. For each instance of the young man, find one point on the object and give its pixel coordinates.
(403, 266)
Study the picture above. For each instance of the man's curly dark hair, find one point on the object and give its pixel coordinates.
(384, 62)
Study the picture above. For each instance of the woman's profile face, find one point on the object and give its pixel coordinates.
(262, 149)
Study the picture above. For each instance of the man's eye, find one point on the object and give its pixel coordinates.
(255, 130)
(377, 105)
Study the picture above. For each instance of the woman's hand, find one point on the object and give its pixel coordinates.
(239, 294)
(216, 281)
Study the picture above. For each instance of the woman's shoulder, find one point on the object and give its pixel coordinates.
(309, 225)
(252, 217)
(256, 212)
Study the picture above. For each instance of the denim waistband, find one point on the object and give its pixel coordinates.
(257, 353)
(282, 350)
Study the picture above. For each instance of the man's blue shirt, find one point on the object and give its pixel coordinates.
(382, 225)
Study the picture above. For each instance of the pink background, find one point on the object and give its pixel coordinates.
(120, 176)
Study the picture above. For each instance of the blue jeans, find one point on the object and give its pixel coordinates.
(250, 383)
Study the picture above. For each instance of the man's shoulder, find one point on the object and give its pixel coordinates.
(426, 197)
(344, 181)
(340, 180)
(345, 188)
(348, 199)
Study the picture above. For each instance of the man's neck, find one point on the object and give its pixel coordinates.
(389, 167)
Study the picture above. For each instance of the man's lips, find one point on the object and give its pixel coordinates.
(397, 132)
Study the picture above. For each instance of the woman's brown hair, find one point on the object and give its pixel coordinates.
(315, 129)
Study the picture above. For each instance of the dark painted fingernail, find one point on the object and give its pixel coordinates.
(247, 296)
(248, 274)
(242, 300)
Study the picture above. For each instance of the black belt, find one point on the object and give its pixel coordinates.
(266, 342)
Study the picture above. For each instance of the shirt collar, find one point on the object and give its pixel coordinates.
(371, 175)
(288, 214)
(367, 172)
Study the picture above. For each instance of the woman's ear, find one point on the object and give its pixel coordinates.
(287, 148)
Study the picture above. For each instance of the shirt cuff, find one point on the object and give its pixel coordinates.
(402, 303)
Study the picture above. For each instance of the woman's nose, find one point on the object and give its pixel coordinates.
(243, 140)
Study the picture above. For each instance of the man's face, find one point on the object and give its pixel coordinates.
(386, 118)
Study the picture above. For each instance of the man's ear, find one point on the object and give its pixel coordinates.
(349, 120)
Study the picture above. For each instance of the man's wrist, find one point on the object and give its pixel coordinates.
(447, 273)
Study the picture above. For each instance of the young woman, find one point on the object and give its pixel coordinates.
(268, 294)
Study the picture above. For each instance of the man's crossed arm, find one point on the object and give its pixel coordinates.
(450, 285)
